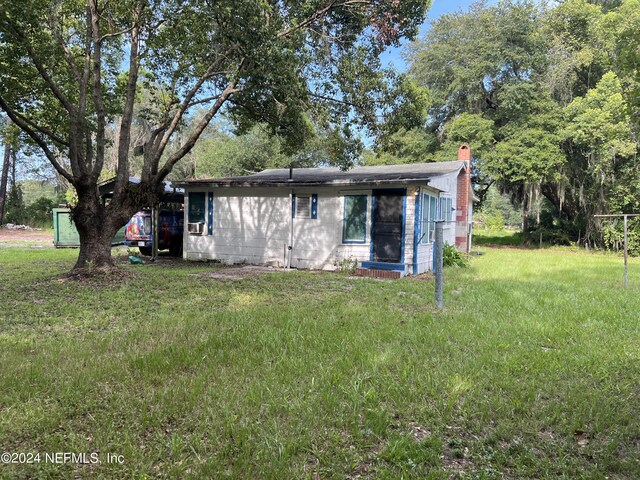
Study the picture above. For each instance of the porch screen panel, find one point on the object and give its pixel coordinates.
(354, 225)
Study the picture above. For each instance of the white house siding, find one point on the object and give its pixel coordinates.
(449, 185)
(317, 243)
(249, 226)
(410, 213)
(253, 225)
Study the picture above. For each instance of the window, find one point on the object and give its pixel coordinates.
(429, 216)
(196, 207)
(303, 206)
(354, 220)
(210, 213)
(446, 212)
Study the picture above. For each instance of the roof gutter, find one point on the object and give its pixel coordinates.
(289, 184)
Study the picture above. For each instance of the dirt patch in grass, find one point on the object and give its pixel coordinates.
(419, 432)
(241, 272)
(26, 238)
(456, 458)
(99, 277)
(367, 467)
(428, 276)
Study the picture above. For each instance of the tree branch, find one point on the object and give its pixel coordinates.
(334, 100)
(122, 175)
(44, 130)
(319, 14)
(117, 34)
(36, 138)
(203, 100)
(54, 25)
(97, 87)
(184, 106)
(51, 84)
(188, 145)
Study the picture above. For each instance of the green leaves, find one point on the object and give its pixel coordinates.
(528, 155)
(548, 98)
(599, 123)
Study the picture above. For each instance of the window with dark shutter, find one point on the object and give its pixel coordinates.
(303, 206)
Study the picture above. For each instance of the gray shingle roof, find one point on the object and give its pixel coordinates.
(334, 176)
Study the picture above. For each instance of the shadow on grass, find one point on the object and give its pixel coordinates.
(500, 238)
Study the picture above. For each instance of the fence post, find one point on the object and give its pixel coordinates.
(439, 290)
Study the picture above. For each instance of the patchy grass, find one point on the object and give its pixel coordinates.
(531, 371)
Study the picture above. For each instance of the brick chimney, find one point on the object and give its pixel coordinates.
(463, 200)
(464, 153)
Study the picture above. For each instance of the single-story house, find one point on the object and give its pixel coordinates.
(381, 217)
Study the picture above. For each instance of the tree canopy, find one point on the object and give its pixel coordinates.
(77, 75)
(547, 96)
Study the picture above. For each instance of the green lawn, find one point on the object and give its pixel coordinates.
(531, 371)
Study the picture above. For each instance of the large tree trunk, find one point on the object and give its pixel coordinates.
(95, 248)
(97, 224)
(89, 216)
(3, 179)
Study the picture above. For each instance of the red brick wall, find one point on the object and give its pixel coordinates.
(463, 199)
(375, 273)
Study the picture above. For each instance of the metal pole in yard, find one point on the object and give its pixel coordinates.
(154, 233)
(439, 287)
(626, 236)
(626, 260)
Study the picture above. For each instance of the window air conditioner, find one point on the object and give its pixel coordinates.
(196, 228)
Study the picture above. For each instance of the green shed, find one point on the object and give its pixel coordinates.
(65, 234)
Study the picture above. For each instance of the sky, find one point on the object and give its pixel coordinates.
(393, 56)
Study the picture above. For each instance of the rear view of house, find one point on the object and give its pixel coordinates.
(381, 217)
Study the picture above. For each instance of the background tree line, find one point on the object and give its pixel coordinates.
(549, 97)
